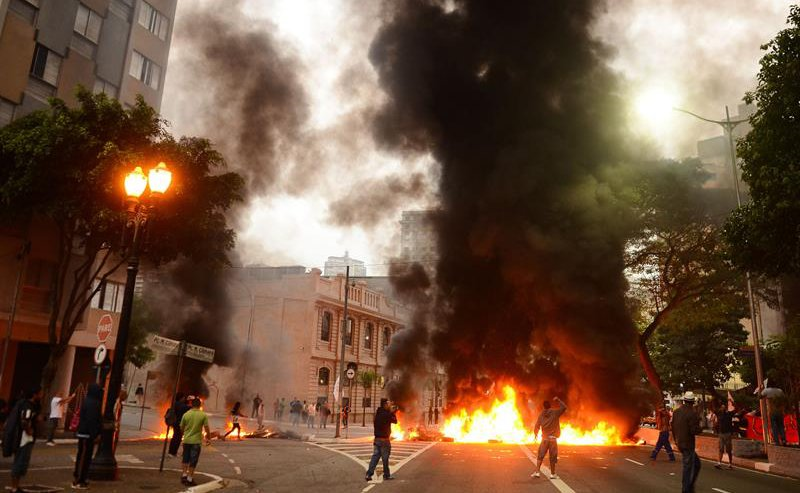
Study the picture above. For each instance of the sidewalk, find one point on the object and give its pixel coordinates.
(43, 479)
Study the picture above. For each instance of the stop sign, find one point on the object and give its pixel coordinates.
(104, 327)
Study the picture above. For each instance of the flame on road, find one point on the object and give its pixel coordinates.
(503, 422)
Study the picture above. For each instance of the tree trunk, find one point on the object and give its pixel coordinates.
(649, 368)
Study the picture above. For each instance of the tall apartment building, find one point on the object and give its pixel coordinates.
(47, 47)
(417, 237)
(335, 266)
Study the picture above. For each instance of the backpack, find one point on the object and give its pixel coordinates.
(170, 417)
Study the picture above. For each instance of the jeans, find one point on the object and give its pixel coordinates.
(52, 424)
(691, 469)
(382, 449)
(22, 458)
(778, 430)
(83, 460)
(175, 441)
(663, 441)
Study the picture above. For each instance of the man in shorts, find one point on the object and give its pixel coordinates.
(725, 434)
(193, 423)
(551, 429)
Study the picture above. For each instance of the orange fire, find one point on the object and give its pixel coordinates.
(398, 433)
(504, 423)
(164, 435)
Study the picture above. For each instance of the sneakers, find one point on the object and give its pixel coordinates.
(190, 482)
(80, 486)
(535, 475)
(730, 466)
(368, 478)
(717, 466)
(51, 444)
(554, 476)
(388, 478)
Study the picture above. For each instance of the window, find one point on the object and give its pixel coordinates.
(145, 70)
(368, 336)
(348, 333)
(108, 297)
(105, 87)
(386, 337)
(153, 20)
(46, 65)
(323, 376)
(87, 23)
(325, 333)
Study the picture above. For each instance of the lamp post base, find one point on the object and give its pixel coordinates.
(104, 464)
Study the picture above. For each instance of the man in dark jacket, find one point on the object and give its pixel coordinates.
(685, 425)
(91, 420)
(180, 407)
(19, 434)
(384, 417)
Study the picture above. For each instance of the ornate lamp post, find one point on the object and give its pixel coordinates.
(104, 464)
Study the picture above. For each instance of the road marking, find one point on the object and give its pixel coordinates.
(225, 455)
(558, 483)
(237, 469)
(231, 461)
(720, 491)
(404, 451)
(368, 488)
(635, 462)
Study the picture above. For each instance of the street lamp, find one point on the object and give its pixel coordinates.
(104, 464)
(728, 126)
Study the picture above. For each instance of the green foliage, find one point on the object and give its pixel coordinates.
(367, 378)
(143, 323)
(698, 346)
(780, 359)
(764, 233)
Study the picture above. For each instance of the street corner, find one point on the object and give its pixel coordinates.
(59, 478)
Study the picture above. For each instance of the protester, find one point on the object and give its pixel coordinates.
(663, 418)
(382, 445)
(235, 421)
(89, 426)
(139, 395)
(776, 420)
(180, 408)
(685, 425)
(724, 420)
(256, 403)
(19, 434)
(311, 410)
(296, 410)
(192, 425)
(742, 423)
(281, 409)
(345, 415)
(57, 405)
(326, 412)
(304, 412)
(276, 409)
(549, 423)
(260, 415)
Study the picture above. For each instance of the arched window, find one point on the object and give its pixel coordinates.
(348, 333)
(325, 334)
(386, 337)
(368, 336)
(323, 376)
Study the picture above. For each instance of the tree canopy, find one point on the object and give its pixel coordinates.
(764, 233)
(67, 164)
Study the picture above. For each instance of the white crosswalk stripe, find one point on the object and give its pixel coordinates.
(361, 452)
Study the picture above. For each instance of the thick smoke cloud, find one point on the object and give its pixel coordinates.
(515, 101)
(376, 199)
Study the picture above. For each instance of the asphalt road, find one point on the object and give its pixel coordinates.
(271, 465)
(494, 468)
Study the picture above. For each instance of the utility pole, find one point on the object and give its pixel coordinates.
(340, 359)
(21, 256)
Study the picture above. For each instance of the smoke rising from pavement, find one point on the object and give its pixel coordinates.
(515, 101)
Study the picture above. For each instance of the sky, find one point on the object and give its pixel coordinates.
(331, 190)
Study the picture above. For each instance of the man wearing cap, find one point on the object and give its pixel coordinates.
(384, 417)
(685, 425)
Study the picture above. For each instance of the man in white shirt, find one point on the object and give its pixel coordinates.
(57, 405)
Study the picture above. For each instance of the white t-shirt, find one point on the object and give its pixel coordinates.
(56, 411)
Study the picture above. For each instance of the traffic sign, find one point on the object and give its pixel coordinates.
(100, 354)
(165, 345)
(104, 327)
(351, 373)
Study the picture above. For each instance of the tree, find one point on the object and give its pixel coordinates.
(675, 258)
(763, 233)
(367, 379)
(66, 165)
(697, 347)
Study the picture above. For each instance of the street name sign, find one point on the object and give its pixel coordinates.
(165, 345)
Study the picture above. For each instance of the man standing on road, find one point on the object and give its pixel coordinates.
(180, 408)
(725, 434)
(685, 425)
(57, 405)
(193, 423)
(91, 420)
(549, 423)
(256, 403)
(662, 424)
(384, 417)
(19, 435)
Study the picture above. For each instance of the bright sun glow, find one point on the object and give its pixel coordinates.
(655, 103)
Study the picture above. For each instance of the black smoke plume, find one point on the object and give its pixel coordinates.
(515, 101)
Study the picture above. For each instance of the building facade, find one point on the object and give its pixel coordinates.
(47, 48)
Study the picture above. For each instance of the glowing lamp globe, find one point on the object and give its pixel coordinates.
(135, 183)
(160, 178)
